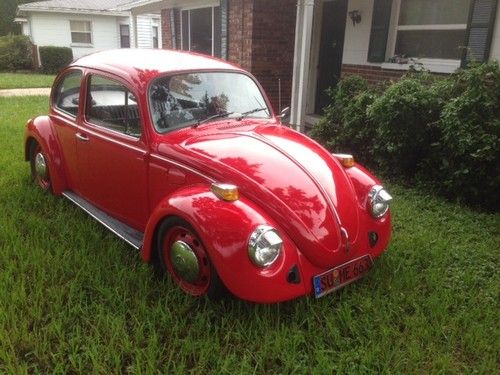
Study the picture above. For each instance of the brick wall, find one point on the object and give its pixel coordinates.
(373, 74)
(240, 17)
(261, 37)
(239, 33)
(166, 28)
(273, 47)
(177, 18)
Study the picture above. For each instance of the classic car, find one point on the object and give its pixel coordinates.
(182, 156)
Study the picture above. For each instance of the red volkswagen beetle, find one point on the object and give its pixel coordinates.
(182, 157)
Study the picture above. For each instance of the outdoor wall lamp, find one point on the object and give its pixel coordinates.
(355, 16)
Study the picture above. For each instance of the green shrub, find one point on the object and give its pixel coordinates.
(54, 59)
(470, 144)
(405, 117)
(15, 53)
(345, 126)
(438, 133)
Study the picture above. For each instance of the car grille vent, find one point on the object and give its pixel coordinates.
(232, 125)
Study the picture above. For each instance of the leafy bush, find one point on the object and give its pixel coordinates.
(405, 117)
(470, 142)
(15, 53)
(345, 126)
(441, 133)
(54, 59)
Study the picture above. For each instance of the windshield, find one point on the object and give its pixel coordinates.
(187, 99)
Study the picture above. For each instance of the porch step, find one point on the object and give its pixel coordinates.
(130, 235)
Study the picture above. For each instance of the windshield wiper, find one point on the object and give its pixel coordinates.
(218, 115)
(258, 109)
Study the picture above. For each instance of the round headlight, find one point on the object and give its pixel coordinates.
(264, 245)
(378, 199)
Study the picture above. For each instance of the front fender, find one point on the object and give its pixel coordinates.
(224, 228)
(363, 180)
(42, 131)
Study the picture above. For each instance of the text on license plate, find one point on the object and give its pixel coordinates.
(342, 275)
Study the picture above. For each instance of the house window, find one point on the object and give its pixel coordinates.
(201, 30)
(432, 28)
(155, 36)
(81, 32)
(124, 36)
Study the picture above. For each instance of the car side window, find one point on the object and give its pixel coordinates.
(67, 93)
(112, 106)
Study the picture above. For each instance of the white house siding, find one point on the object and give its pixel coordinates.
(52, 29)
(144, 32)
(495, 43)
(145, 25)
(357, 38)
(25, 28)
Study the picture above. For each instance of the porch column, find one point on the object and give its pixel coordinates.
(301, 61)
(133, 30)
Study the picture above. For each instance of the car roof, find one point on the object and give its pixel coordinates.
(142, 65)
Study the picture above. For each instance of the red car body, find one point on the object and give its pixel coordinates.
(319, 206)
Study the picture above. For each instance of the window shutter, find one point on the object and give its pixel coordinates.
(380, 29)
(479, 31)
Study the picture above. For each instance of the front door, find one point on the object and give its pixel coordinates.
(112, 154)
(64, 115)
(330, 50)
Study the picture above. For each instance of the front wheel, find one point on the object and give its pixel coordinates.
(183, 255)
(39, 166)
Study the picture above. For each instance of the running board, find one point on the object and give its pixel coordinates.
(130, 235)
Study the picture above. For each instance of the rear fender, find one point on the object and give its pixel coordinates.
(41, 130)
(225, 228)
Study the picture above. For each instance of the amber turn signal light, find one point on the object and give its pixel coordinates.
(226, 192)
(346, 160)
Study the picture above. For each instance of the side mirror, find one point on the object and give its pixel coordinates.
(284, 114)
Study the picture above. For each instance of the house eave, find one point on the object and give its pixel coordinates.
(148, 6)
(135, 5)
(23, 10)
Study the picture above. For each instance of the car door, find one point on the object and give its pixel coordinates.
(64, 114)
(112, 152)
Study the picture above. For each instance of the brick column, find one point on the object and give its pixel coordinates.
(272, 48)
(167, 29)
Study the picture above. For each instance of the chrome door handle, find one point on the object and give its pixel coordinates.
(82, 137)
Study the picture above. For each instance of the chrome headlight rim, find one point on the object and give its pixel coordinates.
(269, 235)
(379, 200)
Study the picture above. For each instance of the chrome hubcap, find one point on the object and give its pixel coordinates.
(184, 261)
(41, 165)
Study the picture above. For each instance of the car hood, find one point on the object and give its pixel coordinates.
(299, 183)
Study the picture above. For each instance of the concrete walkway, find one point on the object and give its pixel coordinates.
(25, 92)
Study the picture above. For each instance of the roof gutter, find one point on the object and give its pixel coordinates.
(23, 9)
(137, 4)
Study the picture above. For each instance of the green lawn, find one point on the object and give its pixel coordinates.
(25, 80)
(73, 298)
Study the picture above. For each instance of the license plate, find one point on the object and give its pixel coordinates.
(342, 275)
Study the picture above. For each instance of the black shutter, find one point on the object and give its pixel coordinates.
(479, 31)
(380, 29)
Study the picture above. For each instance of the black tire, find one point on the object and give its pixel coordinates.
(43, 182)
(214, 288)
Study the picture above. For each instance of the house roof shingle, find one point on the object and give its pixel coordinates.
(89, 5)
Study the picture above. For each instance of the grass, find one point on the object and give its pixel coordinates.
(73, 298)
(25, 80)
